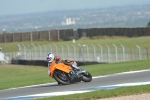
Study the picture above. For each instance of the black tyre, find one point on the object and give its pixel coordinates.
(87, 77)
(61, 77)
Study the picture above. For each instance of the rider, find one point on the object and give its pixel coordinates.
(50, 58)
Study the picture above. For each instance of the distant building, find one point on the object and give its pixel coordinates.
(69, 21)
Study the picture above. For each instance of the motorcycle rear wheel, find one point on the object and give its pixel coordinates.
(87, 77)
(61, 77)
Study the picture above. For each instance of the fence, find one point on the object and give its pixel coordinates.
(82, 52)
(128, 32)
(69, 34)
(54, 35)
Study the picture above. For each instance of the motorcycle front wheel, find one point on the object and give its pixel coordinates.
(61, 77)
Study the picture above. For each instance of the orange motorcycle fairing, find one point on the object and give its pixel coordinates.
(61, 66)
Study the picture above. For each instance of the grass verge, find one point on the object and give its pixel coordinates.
(103, 40)
(17, 76)
(95, 95)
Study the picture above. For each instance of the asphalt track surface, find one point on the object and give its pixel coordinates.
(112, 79)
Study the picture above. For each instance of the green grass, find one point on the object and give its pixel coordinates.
(103, 69)
(103, 93)
(17, 76)
(127, 42)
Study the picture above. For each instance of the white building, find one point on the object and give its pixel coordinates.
(69, 21)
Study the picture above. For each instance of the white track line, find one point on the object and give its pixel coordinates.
(92, 77)
(42, 95)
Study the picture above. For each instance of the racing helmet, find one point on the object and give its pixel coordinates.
(50, 57)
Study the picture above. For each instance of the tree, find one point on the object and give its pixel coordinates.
(148, 25)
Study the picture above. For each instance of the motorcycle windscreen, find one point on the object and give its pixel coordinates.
(63, 67)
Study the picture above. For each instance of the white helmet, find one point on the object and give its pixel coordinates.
(50, 57)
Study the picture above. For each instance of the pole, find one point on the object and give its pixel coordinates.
(56, 49)
(87, 51)
(139, 51)
(101, 52)
(74, 52)
(24, 50)
(81, 52)
(116, 52)
(50, 48)
(40, 50)
(30, 52)
(45, 48)
(108, 53)
(68, 50)
(123, 52)
(94, 51)
(34, 50)
(62, 49)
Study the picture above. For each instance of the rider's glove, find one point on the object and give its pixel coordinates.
(67, 61)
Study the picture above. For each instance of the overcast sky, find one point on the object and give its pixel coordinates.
(13, 7)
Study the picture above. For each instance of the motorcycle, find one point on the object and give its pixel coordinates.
(65, 73)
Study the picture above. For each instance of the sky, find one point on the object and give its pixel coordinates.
(14, 7)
